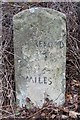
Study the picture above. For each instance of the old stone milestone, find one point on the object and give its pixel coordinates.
(40, 55)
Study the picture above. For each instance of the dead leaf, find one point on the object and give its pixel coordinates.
(53, 116)
(73, 114)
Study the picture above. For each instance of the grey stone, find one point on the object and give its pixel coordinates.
(40, 55)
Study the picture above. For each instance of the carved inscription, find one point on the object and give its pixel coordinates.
(44, 80)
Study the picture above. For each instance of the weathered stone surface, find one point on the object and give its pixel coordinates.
(40, 55)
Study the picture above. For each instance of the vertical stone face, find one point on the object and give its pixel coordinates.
(40, 55)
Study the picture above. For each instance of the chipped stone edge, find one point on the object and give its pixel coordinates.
(32, 10)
